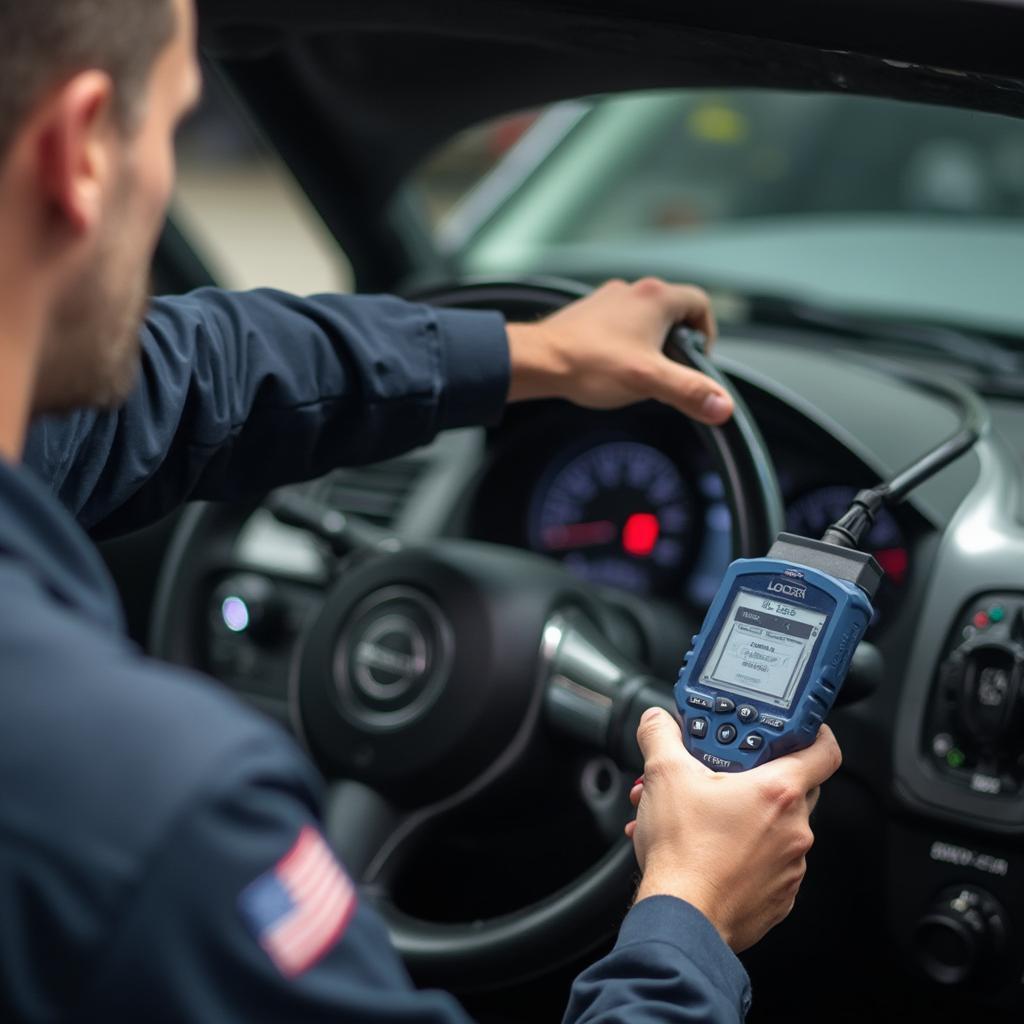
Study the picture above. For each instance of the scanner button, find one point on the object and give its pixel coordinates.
(723, 705)
(698, 728)
(747, 713)
(773, 723)
(695, 700)
(752, 741)
(726, 733)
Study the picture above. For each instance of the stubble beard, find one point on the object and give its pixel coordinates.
(91, 351)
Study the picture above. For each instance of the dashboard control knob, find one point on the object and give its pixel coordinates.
(989, 691)
(250, 604)
(963, 932)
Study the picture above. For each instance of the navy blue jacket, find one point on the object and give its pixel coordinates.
(149, 821)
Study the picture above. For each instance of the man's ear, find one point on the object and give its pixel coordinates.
(76, 140)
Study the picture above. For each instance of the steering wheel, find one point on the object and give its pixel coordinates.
(502, 655)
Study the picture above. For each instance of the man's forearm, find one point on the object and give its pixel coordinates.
(240, 393)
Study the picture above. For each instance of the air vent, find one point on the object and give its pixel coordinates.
(378, 493)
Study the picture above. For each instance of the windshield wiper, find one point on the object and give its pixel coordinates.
(999, 366)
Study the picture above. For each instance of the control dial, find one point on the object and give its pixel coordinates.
(960, 936)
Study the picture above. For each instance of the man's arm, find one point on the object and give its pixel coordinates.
(245, 915)
(669, 966)
(240, 393)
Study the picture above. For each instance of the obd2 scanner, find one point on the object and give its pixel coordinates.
(769, 661)
(774, 650)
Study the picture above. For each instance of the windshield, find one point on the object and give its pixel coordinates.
(865, 205)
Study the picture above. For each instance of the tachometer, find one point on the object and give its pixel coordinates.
(621, 513)
(813, 512)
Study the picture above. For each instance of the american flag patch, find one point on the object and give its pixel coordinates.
(300, 907)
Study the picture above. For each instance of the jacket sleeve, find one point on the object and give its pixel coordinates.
(240, 393)
(669, 966)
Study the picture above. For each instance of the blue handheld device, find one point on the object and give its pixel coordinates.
(777, 641)
(767, 665)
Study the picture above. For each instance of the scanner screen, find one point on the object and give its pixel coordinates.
(763, 648)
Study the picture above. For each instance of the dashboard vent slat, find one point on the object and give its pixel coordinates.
(378, 493)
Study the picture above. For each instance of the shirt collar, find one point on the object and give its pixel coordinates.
(39, 532)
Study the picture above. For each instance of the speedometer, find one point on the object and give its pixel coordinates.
(620, 513)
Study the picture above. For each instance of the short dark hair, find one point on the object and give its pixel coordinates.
(43, 42)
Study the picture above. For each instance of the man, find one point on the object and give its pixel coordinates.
(150, 826)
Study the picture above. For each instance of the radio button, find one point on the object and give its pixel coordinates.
(695, 700)
(726, 733)
(724, 706)
(747, 713)
(698, 728)
(773, 723)
(752, 741)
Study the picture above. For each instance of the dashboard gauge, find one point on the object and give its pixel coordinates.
(620, 513)
(814, 511)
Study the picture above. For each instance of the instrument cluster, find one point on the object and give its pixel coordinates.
(630, 500)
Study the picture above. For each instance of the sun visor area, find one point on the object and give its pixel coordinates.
(970, 36)
(403, 92)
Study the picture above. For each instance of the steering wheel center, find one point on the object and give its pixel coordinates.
(420, 666)
(393, 658)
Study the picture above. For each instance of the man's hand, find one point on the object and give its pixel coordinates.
(605, 351)
(732, 845)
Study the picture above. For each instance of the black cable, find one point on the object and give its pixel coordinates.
(974, 425)
(853, 526)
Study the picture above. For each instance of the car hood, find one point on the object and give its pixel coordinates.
(950, 270)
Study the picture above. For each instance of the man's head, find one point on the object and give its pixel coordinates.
(91, 92)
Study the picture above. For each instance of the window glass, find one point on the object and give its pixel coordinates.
(856, 203)
(452, 172)
(242, 210)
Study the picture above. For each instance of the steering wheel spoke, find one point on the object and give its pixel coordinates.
(359, 823)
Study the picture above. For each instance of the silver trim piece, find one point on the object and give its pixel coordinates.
(493, 191)
(982, 550)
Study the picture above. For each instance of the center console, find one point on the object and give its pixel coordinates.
(974, 726)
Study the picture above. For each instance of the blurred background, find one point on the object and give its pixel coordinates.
(252, 224)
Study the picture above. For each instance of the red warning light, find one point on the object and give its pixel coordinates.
(640, 534)
(894, 563)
